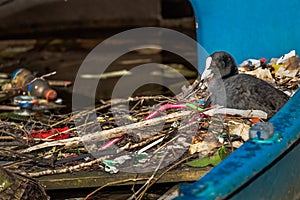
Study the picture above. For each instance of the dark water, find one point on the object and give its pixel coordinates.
(64, 55)
(113, 192)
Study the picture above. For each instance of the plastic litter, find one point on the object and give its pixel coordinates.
(141, 158)
(22, 80)
(54, 134)
(263, 74)
(231, 111)
(290, 68)
(110, 166)
(285, 57)
(282, 73)
(122, 159)
(150, 145)
(41, 89)
(25, 103)
(252, 63)
(164, 107)
(261, 131)
(241, 130)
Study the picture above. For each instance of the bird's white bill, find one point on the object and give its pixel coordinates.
(207, 72)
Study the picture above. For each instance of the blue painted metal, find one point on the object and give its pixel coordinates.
(248, 29)
(251, 29)
(281, 181)
(251, 158)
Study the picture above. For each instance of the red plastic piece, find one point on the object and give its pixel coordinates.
(255, 120)
(60, 133)
(263, 60)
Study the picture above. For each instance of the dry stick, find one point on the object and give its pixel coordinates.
(66, 142)
(69, 130)
(85, 112)
(17, 164)
(68, 169)
(79, 114)
(111, 133)
(163, 173)
(9, 135)
(6, 138)
(107, 104)
(129, 146)
(135, 105)
(22, 156)
(72, 168)
(149, 180)
(113, 183)
(10, 145)
(165, 144)
(177, 136)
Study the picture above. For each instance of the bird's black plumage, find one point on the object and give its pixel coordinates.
(241, 91)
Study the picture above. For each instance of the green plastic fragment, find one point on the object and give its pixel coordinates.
(193, 106)
(141, 156)
(213, 160)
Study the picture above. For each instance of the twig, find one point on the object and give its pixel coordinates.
(132, 146)
(69, 130)
(163, 173)
(113, 183)
(10, 144)
(68, 169)
(177, 136)
(66, 142)
(23, 156)
(165, 144)
(108, 104)
(146, 185)
(111, 133)
(80, 114)
(6, 138)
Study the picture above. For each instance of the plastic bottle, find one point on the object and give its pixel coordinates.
(23, 78)
(261, 131)
(41, 89)
(14, 87)
(20, 77)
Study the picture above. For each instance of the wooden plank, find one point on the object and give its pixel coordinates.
(86, 179)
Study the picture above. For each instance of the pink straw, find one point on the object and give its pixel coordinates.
(164, 107)
(111, 142)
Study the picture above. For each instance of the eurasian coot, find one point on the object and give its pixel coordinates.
(230, 89)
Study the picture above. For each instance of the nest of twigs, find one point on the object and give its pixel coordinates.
(136, 134)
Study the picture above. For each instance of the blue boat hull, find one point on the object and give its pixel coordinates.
(255, 170)
(281, 180)
(248, 29)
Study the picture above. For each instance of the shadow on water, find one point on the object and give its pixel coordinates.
(66, 54)
(113, 192)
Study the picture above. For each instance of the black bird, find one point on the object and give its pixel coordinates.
(230, 89)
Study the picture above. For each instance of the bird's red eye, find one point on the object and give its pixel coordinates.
(213, 63)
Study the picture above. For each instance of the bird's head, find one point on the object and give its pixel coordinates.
(219, 65)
